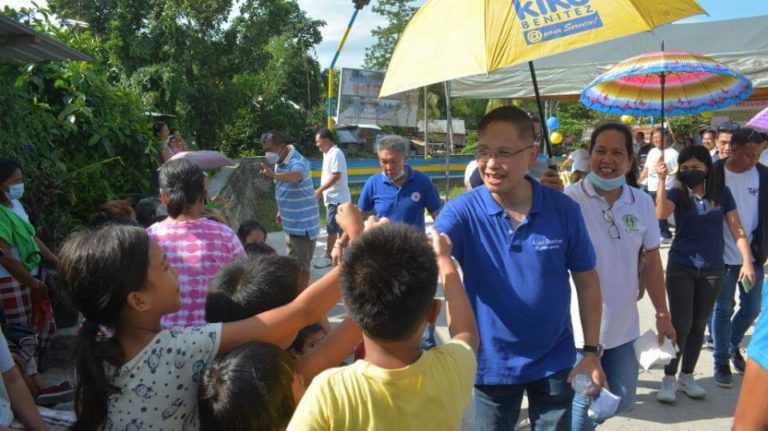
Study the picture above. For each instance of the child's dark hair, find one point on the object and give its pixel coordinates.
(99, 269)
(388, 281)
(183, 183)
(157, 128)
(250, 286)
(632, 174)
(298, 342)
(712, 191)
(249, 226)
(147, 211)
(248, 389)
(256, 248)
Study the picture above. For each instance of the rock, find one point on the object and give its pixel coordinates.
(245, 194)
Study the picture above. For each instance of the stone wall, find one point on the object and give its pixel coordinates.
(245, 194)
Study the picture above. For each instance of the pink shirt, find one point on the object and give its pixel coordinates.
(198, 249)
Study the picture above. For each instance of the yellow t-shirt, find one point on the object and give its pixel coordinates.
(430, 394)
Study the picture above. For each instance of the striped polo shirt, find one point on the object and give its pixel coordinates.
(296, 201)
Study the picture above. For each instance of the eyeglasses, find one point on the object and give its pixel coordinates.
(484, 154)
(613, 230)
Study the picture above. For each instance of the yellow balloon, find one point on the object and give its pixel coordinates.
(627, 119)
(556, 137)
(706, 115)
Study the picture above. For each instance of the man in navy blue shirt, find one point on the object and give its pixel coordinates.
(517, 242)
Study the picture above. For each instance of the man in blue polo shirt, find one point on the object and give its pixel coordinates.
(516, 242)
(297, 208)
(399, 193)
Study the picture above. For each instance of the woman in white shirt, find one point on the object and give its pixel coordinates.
(621, 220)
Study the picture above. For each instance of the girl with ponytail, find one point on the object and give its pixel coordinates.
(119, 278)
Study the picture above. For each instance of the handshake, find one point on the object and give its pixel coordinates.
(350, 220)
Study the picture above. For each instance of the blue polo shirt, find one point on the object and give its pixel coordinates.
(699, 241)
(517, 280)
(404, 204)
(758, 345)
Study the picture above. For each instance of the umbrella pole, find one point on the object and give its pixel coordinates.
(426, 124)
(663, 82)
(544, 131)
(448, 148)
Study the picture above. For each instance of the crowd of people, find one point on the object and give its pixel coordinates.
(190, 324)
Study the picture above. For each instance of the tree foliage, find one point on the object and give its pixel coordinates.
(397, 14)
(225, 76)
(80, 139)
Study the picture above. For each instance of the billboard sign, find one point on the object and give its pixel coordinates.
(359, 101)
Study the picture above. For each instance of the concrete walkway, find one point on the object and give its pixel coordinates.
(713, 413)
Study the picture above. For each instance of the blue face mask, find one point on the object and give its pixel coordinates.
(606, 185)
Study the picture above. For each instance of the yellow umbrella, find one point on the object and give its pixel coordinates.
(450, 39)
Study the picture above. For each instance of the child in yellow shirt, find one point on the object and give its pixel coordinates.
(388, 284)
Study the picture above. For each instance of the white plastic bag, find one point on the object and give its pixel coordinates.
(649, 352)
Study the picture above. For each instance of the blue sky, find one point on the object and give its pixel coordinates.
(337, 13)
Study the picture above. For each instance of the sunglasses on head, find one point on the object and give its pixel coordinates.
(728, 126)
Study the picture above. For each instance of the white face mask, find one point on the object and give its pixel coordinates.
(15, 191)
(272, 158)
(401, 174)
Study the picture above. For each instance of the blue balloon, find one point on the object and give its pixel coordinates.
(553, 124)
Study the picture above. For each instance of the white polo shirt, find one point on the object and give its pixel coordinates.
(634, 215)
(670, 159)
(335, 162)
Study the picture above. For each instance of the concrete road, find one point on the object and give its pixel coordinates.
(713, 413)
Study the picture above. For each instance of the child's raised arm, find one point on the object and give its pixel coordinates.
(280, 325)
(331, 351)
(461, 318)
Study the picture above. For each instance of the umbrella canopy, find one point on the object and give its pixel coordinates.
(692, 84)
(450, 39)
(760, 121)
(206, 159)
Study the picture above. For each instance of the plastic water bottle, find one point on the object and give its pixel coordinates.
(582, 384)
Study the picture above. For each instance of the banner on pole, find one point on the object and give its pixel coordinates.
(359, 102)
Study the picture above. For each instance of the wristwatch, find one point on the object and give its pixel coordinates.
(597, 350)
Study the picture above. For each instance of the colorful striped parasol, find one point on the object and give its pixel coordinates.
(685, 83)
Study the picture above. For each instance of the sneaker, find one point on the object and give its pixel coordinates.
(668, 388)
(323, 262)
(61, 393)
(737, 360)
(686, 384)
(723, 376)
(709, 343)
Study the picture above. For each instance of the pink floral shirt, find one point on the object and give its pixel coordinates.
(198, 249)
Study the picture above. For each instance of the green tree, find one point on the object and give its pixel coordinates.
(80, 139)
(185, 58)
(397, 14)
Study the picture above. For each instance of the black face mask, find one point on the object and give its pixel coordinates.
(692, 177)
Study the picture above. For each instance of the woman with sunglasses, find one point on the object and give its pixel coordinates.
(621, 220)
(695, 266)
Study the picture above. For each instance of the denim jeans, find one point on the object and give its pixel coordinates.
(497, 407)
(728, 332)
(621, 370)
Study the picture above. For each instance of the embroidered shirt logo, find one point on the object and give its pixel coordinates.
(415, 196)
(547, 244)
